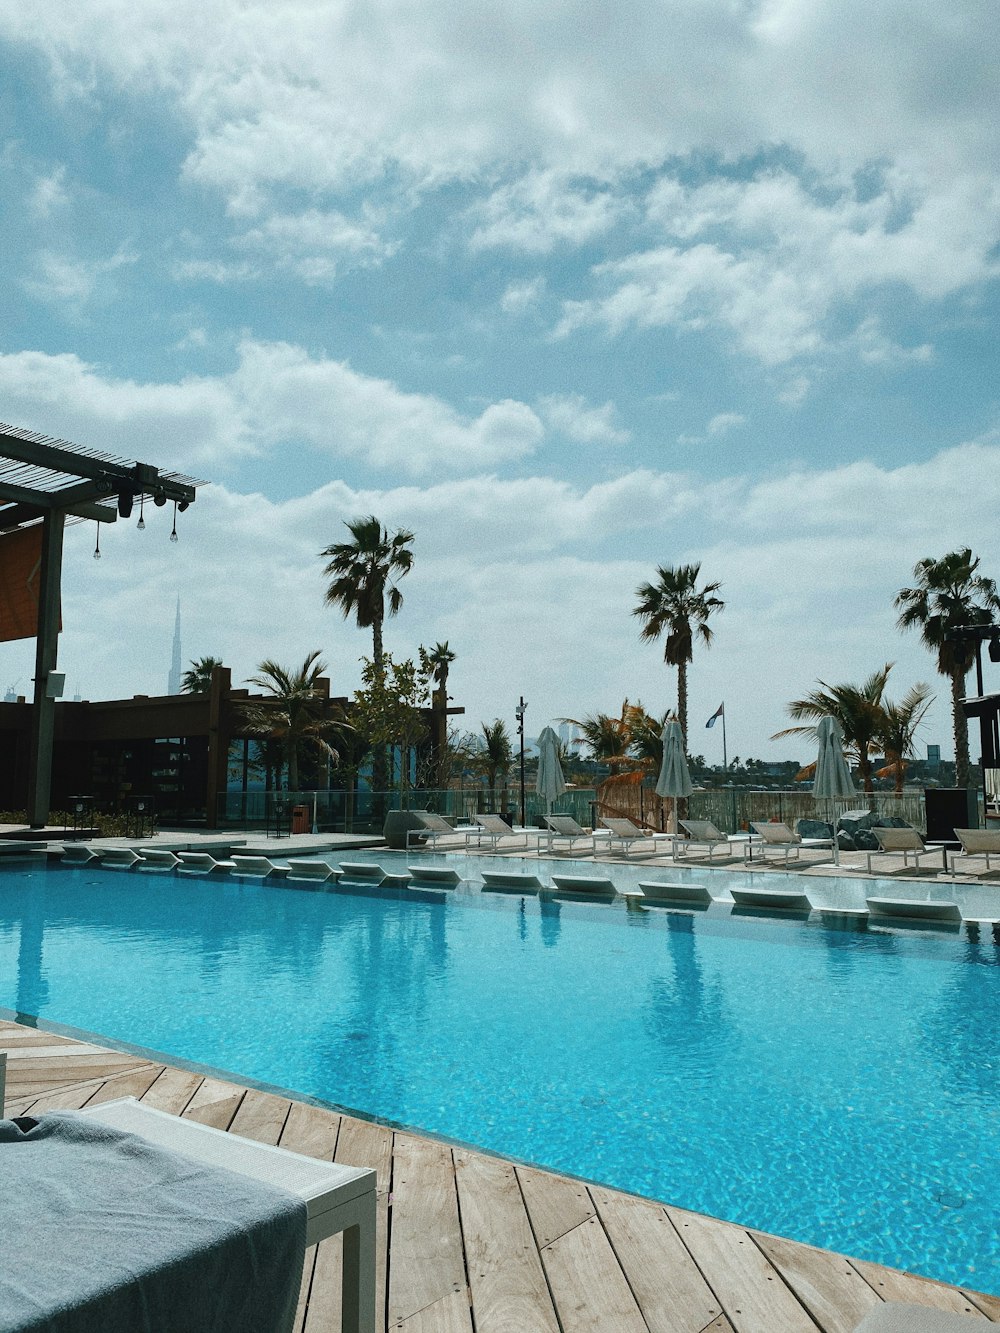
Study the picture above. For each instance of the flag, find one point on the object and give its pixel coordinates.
(719, 712)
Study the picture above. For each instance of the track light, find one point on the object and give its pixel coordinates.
(141, 525)
(97, 548)
(183, 505)
(125, 499)
(159, 499)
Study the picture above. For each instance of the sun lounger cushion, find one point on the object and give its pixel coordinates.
(107, 1233)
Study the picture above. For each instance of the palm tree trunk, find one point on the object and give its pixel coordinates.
(682, 700)
(379, 760)
(960, 727)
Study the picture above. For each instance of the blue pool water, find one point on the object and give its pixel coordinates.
(837, 1087)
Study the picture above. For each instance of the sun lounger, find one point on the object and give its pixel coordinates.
(627, 837)
(363, 870)
(494, 830)
(432, 829)
(904, 842)
(317, 872)
(703, 836)
(976, 842)
(784, 841)
(511, 880)
(79, 853)
(564, 830)
(589, 886)
(122, 857)
(915, 909)
(200, 861)
(153, 858)
(782, 900)
(685, 895)
(257, 866)
(338, 1198)
(435, 875)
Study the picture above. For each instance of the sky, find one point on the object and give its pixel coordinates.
(569, 290)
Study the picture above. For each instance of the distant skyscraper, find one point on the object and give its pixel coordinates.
(174, 679)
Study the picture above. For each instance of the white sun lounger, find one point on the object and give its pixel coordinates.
(434, 828)
(702, 836)
(153, 858)
(79, 853)
(563, 829)
(687, 894)
(915, 909)
(511, 879)
(782, 900)
(257, 866)
(976, 842)
(123, 857)
(317, 872)
(591, 886)
(494, 830)
(201, 861)
(627, 837)
(435, 875)
(904, 842)
(337, 1198)
(363, 870)
(781, 839)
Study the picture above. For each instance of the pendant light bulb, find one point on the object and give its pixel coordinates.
(173, 533)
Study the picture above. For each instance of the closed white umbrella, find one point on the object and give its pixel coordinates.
(549, 784)
(833, 779)
(674, 780)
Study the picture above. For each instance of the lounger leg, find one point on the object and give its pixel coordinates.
(359, 1271)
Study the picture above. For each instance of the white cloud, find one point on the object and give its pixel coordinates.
(71, 282)
(276, 396)
(49, 194)
(544, 209)
(521, 296)
(571, 416)
(723, 422)
(768, 260)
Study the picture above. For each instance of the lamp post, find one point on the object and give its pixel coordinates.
(519, 714)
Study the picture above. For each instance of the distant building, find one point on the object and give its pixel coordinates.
(174, 678)
(934, 756)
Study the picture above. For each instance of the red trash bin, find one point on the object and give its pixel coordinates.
(300, 819)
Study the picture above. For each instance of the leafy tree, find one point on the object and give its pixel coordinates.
(605, 736)
(364, 575)
(198, 677)
(497, 758)
(388, 710)
(948, 594)
(297, 718)
(899, 726)
(675, 608)
(858, 709)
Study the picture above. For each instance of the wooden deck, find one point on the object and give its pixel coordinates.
(471, 1244)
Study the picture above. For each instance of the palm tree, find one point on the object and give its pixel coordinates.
(677, 607)
(498, 756)
(605, 736)
(295, 718)
(950, 594)
(858, 708)
(364, 573)
(198, 677)
(435, 665)
(899, 727)
(438, 660)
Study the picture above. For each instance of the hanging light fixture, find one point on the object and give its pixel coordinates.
(141, 525)
(97, 548)
(173, 533)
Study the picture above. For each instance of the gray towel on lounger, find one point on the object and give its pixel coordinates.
(102, 1232)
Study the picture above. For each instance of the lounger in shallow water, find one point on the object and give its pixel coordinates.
(691, 895)
(317, 872)
(201, 861)
(154, 858)
(435, 875)
(120, 857)
(597, 886)
(782, 900)
(363, 870)
(258, 866)
(915, 909)
(79, 853)
(511, 879)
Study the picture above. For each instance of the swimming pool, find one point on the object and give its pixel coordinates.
(837, 1087)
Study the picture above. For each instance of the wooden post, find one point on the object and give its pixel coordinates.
(219, 722)
(46, 655)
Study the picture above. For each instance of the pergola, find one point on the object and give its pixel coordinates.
(46, 483)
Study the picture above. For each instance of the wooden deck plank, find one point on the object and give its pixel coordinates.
(754, 1297)
(990, 1305)
(215, 1103)
(448, 1315)
(588, 1286)
(359, 1143)
(894, 1285)
(172, 1090)
(311, 1130)
(428, 1263)
(831, 1289)
(133, 1083)
(667, 1283)
(506, 1278)
(61, 1069)
(555, 1204)
(261, 1116)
